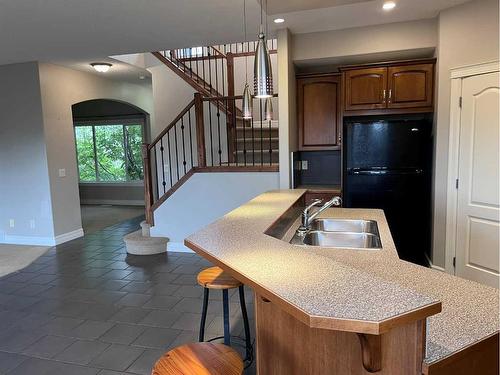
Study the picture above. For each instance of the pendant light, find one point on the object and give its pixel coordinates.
(247, 96)
(268, 109)
(263, 75)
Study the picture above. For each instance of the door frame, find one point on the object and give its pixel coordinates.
(457, 75)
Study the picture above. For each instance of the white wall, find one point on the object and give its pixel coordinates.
(204, 198)
(24, 180)
(60, 89)
(403, 36)
(468, 34)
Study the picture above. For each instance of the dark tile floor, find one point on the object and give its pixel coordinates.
(86, 307)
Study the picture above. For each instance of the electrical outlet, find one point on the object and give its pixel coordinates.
(32, 224)
(305, 165)
(11, 223)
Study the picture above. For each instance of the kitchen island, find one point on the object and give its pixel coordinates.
(337, 311)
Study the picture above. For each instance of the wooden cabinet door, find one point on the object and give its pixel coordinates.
(365, 89)
(319, 112)
(410, 86)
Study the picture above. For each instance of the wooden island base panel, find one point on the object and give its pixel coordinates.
(287, 346)
(329, 311)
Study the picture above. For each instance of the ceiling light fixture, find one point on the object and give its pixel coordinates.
(101, 67)
(388, 5)
(279, 20)
(263, 75)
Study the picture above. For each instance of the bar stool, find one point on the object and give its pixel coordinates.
(216, 278)
(199, 359)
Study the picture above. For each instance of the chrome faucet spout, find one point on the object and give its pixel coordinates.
(307, 218)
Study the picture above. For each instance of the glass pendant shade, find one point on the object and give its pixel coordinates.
(268, 109)
(263, 75)
(247, 103)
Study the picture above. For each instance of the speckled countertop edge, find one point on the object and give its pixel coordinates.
(355, 271)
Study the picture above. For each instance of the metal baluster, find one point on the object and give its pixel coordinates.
(169, 160)
(203, 66)
(190, 136)
(270, 145)
(253, 140)
(176, 152)
(211, 135)
(261, 136)
(162, 165)
(228, 126)
(235, 122)
(183, 145)
(209, 70)
(244, 128)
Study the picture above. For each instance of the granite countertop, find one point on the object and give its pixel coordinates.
(339, 285)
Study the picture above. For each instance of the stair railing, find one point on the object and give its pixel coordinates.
(204, 137)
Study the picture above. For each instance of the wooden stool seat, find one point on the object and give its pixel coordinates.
(203, 358)
(216, 278)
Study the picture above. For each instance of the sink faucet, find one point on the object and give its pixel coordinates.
(307, 218)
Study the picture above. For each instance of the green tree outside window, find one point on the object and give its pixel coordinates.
(109, 153)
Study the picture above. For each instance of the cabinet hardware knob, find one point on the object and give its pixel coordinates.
(384, 94)
(390, 94)
(264, 299)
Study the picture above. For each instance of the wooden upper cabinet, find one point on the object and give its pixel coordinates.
(318, 107)
(410, 86)
(365, 88)
(395, 87)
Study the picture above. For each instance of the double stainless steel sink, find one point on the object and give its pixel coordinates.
(341, 233)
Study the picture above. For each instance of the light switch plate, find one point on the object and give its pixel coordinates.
(62, 172)
(305, 165)
(11, 223)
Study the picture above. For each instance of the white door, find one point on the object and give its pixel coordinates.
(478, 230)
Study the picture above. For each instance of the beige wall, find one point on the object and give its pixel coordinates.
(24, 180)
(60, 89)
(368, 40)
(170, 94)
(468, 34)
(287, 107)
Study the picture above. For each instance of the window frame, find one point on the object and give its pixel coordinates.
(123, 122)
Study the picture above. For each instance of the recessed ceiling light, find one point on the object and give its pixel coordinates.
(142, 77)
(101, 67)
(279, 20)
(388, 5)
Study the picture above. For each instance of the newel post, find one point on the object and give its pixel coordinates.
(148, 185)
(200, 130)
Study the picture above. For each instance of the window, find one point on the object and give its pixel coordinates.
(109, 152)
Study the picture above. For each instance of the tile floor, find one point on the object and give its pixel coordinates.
(86, 307)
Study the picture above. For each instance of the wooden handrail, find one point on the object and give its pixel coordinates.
(174, 121)
(233, 97)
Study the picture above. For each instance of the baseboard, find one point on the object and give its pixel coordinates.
(178, 247)
(65, 237)
(27, 240)
(114, 202)
(433, 266)
(41, 241)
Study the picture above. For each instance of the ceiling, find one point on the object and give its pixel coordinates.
(54, 30)
(120, 71)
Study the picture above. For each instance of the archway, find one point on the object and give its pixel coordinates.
(108, 138)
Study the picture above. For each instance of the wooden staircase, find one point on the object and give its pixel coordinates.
(209, 134)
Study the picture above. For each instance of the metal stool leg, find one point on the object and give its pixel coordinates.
(204, 314)
(248, 341)
(225, 308)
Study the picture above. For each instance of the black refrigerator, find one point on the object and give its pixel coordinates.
(388, 165)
